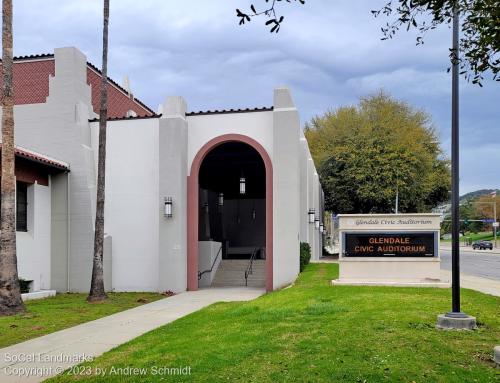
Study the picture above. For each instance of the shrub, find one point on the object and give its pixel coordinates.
(24, 285)
(305, 255)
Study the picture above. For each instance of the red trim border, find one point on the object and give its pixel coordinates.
(192, 207)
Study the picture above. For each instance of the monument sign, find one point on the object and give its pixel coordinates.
(389, 249)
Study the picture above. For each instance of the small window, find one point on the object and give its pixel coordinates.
(22, 207)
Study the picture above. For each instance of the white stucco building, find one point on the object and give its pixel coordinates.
(193, 199)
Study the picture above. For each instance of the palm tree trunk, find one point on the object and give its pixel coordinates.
(97, 284)
(10, 292)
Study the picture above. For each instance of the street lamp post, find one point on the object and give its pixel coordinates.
(455, 319)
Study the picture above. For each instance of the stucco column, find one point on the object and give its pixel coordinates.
(286, 197)
(172, 183)
(303, 180)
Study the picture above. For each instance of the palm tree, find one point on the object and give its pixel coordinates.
(97, 283)
(10, 292)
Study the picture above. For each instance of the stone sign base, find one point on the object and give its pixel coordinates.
(389, 271)
(390, 268)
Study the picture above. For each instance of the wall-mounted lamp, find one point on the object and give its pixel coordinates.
(206, 206)
(168, 207)
(316, 223)
(321, 228)
(311, 215)
(221, 199)
(242, 185)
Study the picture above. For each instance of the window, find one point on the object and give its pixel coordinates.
(22, 207)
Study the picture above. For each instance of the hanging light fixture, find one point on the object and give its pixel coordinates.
(316, 223)
(168, 207)
(311, 215)
(242, 185)
(221, 199)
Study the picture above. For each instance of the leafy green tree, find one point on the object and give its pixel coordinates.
(479, 23)
(369, 153)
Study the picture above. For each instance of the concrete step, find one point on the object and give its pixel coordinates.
(231, 272)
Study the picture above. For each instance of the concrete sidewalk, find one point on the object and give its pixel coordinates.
(483, 285)
(53, 353)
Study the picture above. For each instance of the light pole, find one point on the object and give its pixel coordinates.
(455, 319)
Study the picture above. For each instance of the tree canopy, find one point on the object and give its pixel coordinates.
(479, 24)
(366, 154)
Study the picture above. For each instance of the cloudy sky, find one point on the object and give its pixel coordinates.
(328, 52)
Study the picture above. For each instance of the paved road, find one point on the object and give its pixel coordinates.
(481, 263)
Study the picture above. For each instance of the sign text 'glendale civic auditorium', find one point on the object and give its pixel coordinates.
(389, 245)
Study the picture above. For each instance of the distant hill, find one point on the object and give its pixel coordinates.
(446, 207)
(477, 193)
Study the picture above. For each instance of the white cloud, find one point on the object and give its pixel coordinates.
(328, 52)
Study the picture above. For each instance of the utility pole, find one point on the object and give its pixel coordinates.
(495, 217)
(396, 209)
(397, 198)
(455, 319)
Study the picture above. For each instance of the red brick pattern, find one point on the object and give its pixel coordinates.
(118, 102)
(31, 86)
(31, 81)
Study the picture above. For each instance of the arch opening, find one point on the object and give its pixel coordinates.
(230, 215)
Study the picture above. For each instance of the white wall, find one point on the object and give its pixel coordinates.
(131, 208)
(172, 144)
(203, 128)
(286, 189)
(304, 192)
(59, 128)
(316, 253)
(207, 253)
(33, 246)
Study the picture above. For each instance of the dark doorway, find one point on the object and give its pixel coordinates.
(226, 214)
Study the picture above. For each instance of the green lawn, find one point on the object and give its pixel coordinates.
(487, 236)
(44, 316)
(313, 332)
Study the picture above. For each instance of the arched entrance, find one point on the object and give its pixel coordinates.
(219, 167)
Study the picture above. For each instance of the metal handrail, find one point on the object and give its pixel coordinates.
(249, 269)
(200, 273)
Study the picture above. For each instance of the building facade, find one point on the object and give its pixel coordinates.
(193, 199)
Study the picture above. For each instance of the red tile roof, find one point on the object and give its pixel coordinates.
(31, 86)
(40, 158)
(229, 111)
